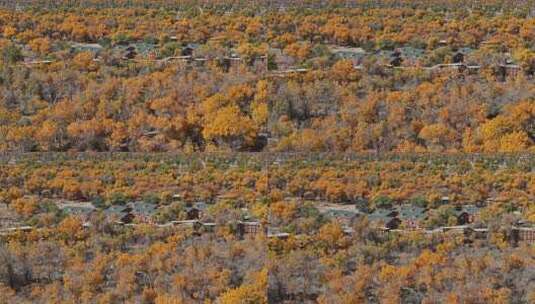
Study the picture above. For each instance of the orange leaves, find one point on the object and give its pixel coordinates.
(308, 30)
(232, 116)
(118, 136)
(514, 142)
(84, 61)
(283, 209)
(337, 32)
(308, 140)
(71, 229)
(253, 292)
(249, 51)
(526, 58)
(165, 107)
(344, 71)
(493, 130)
(9, 31)
(254, 28)
(47, 130)
(522, 113)
(46, 135)
(260, 113)
(90, 132)
(429, 258)
(437, 135)
(40, 45)
(332, 236)
(262, 93)
(299, 50)
(25, 206)
(239, 94)
(387, 272)
(213, 103)
(167, 299)
(509, 131)
(228, 122)
(20, 137)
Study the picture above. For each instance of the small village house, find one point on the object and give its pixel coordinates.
(248, 228)
(466, 214)
(196, 211)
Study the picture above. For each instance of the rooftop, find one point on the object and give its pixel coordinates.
(144, 208)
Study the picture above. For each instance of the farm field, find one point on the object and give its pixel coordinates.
(244, 152)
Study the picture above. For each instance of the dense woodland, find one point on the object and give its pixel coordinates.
(82, 101)
(267, 113)
(64, 260)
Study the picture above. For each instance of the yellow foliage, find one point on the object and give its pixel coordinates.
(9, 31)
(514, 142)
(84, 61)
(437, 134)
(285, 210)
(167, 299)
(228, 122)
(252, 293)
(40, 45)
(332, 234)
(71, 229)
(343, 70)
(260, 113)
(25, 205)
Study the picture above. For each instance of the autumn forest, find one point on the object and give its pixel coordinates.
(186, 151)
